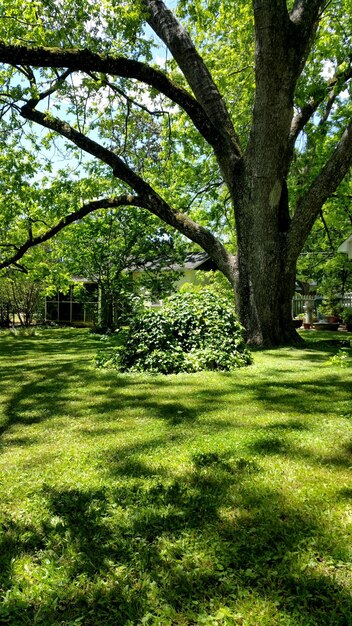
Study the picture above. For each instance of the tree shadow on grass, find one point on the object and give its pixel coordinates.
(269, 444)
(47, 342)
(310, 396)
(16, 538)
(186, 545)
(42, 397)
(51, 391)
(316, 347)
(159, 545)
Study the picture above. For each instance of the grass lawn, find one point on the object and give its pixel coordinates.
(211, 498)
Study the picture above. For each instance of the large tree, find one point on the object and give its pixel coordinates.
(259, 102)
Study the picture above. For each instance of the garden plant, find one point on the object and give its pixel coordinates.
(193, 331)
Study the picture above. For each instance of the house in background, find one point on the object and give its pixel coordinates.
(195, 262)
(66, 309)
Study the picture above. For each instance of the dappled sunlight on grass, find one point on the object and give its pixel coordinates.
(212, 498)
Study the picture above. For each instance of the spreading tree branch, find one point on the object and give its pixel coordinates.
(306, 12)
(119, 167)
(148, 198)
(51, 90)
(323, 186)
(181, 46)
(333, 87)
(86, 61)
(304, 21)
(326, 228)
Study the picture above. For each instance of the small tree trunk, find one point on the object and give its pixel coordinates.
(106, 317)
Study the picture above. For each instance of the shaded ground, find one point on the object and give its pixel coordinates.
(190, 499)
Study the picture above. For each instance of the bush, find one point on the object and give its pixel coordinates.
(347, 315)
(191, 332)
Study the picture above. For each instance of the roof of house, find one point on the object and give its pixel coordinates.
(193, 261)
(196, 260)
(82, 279)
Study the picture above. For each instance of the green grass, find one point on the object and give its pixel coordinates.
(211, 498)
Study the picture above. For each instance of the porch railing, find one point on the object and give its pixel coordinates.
(298, 302)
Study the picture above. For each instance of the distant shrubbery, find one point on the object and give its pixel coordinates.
(347, 315)
(193, 331)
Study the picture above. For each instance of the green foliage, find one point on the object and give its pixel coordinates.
(75, 23)
(213, 280)
(191, 332)
(347, 315)
(343, 358)
(320, 260)
(228, 52)
(331, 305)
(21, 297)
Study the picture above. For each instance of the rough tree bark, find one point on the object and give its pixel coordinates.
(266, 276)
(269, 239)
(268, 247)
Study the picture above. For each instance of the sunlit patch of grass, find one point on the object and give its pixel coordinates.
(212, 498)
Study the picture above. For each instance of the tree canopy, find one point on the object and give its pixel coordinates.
(231, 122)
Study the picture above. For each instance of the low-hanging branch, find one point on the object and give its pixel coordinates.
(148, 197)
(119, 167)
(86, 209)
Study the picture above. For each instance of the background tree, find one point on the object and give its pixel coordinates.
(127, 264)
(319, 260)
(21, 299)
(253, 109)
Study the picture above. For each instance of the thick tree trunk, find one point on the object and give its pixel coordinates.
(265, 277)
(266, 272)
(264, 296)
(264, 292)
